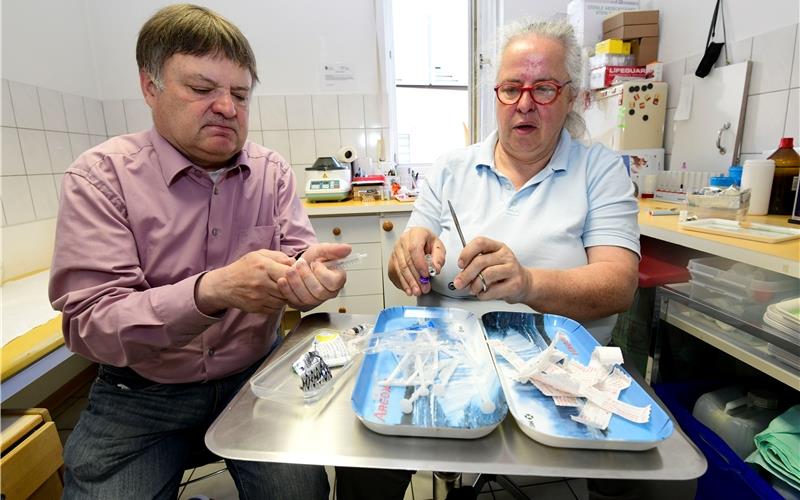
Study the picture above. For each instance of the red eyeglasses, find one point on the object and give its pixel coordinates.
(542, 93)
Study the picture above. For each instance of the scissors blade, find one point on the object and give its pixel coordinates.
(458, 226)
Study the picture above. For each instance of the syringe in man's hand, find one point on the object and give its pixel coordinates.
(346, 263)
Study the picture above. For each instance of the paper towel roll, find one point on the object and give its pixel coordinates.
(346, 154)
(757, 176)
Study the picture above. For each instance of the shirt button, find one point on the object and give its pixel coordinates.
(216, 189)
(214, 232)
(210, 352)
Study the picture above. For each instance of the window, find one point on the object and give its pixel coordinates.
(431, 48)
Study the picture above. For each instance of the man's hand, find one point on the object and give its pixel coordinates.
(407, 262)
(504, 277)
(249, 284)
(310, 281)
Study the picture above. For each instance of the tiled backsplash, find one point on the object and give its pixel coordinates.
(44, 130)
(773, 100)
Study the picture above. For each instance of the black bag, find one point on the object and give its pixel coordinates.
(713, 49)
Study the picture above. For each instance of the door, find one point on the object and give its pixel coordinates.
(709, 120)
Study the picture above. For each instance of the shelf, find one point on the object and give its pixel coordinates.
(738, 337)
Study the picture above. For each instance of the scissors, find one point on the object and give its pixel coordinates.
(463, 244)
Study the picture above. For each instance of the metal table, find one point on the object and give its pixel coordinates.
(263, 430)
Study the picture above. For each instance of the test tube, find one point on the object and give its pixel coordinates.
(431, 267)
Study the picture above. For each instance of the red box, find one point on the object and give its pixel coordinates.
(607, 76)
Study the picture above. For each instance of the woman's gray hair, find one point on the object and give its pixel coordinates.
(561, 31)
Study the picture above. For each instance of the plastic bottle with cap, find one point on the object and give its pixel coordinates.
(784, 180)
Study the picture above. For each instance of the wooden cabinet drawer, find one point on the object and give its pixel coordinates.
(373, 258)
(362, 282)
(357, 229)
(356, 304)
(29, 463)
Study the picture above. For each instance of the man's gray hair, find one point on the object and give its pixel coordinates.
(191, 30)
(562, 32)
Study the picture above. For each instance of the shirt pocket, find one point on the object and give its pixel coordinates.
(257, 238)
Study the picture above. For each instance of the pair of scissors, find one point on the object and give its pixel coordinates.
(464, 242)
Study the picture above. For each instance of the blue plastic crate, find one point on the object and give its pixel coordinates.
(728, 476)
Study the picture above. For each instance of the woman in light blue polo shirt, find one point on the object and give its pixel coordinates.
(550, 223)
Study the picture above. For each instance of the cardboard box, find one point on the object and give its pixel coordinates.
(645, 49)
(586, 17)
(635, 31)
(612, 46)
(607, 76)
(630, 18)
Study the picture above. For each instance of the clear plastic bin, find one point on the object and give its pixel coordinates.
(748, 283)
(737, 425)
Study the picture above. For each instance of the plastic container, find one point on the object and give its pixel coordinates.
(727, 476)
(784, 180)
(736, 416)
(721, 181)
(749, 283)
(735, 172)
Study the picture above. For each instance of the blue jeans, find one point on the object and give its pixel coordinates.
(137, 437)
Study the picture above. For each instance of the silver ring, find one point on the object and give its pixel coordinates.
(483, 283)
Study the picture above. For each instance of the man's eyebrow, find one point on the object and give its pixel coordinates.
(209, 81)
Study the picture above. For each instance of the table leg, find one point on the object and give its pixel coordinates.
(654, 354)
(443, 482)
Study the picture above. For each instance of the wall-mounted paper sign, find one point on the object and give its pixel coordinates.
(339, 75)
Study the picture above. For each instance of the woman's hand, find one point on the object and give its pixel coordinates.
(407, 263)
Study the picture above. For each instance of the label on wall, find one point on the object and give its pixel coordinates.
(337, 76)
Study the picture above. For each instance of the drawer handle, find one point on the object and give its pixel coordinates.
(387, 225)
(337, 231)
(342, 309)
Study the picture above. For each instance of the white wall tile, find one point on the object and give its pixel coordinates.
(691, 64)
(94, 116)
(7, 112)
(673, 72)
(25, 100)
(351, 111)
(354, 138)
(17, 202)
(43, 194)
(372, 111)
(79, 143)
(137, 115)
(253, 115)
(273, 112)
(763, 124)
(52, 110)
(76, 114)
(114, 114)
(255, 136)
(34, 151)
(326, 111)
(771, 70)
(298, 112)
(750, 156)
(301, 143)
(795, 80)
(278, 140)
(300, 178)
(374, 135)
(94, 140)
(60, 151)
(737, 52)
(792, 127)
(2, 214)
(327, 142)
(12, 153)
(57, 179)
(669, 131)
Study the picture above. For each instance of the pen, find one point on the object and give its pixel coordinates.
(463, 241)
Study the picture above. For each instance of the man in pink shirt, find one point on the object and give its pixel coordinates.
(177, 250)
